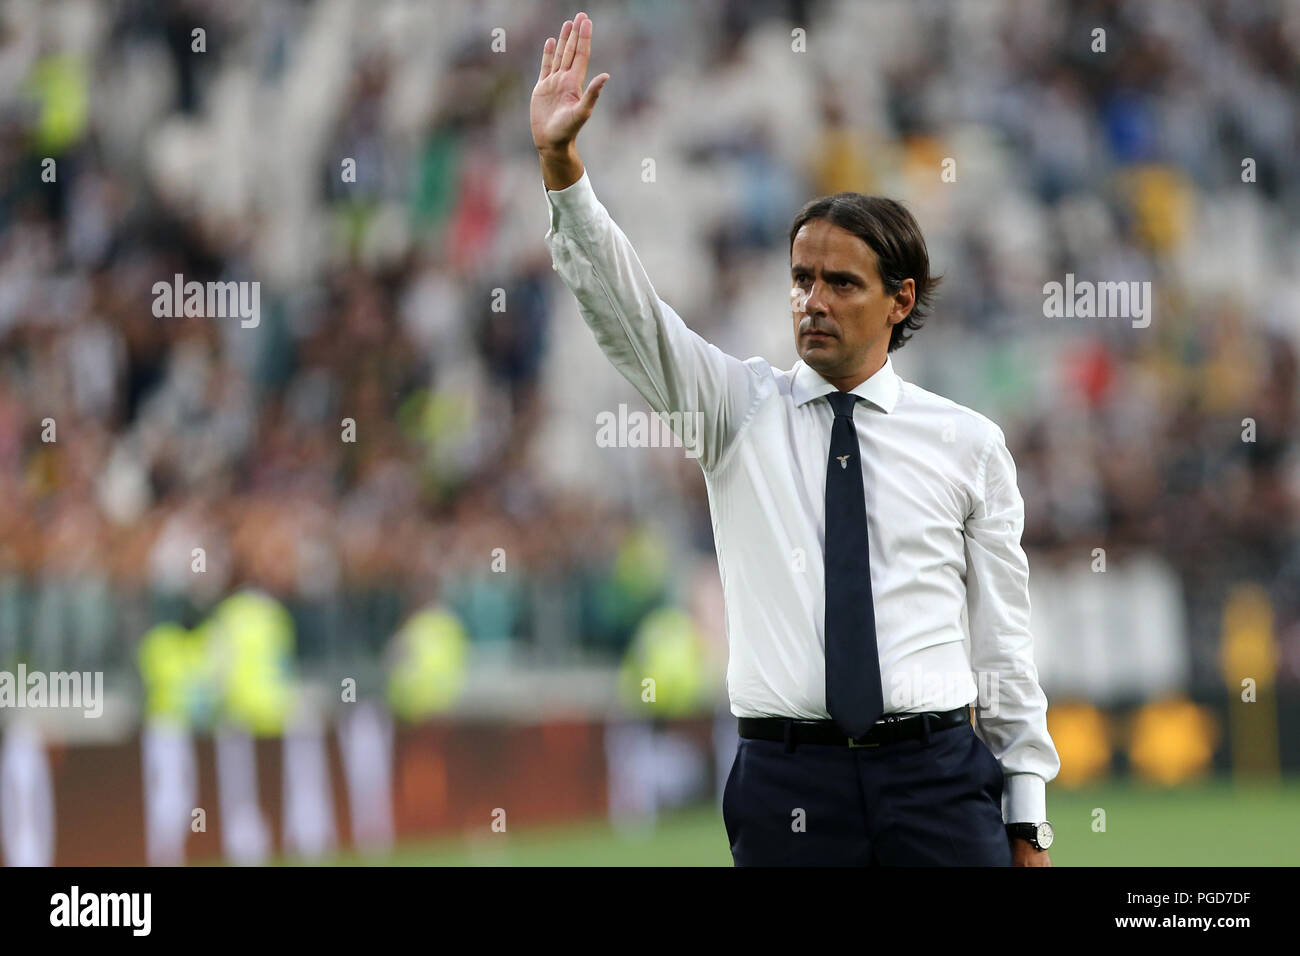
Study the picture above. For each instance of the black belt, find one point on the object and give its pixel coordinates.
(889, 729)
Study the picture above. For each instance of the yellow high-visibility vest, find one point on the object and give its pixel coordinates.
(664, 672)
(165, 662)
(250, 638)
(429, 670)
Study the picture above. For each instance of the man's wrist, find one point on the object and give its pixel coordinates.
(561, 166)
(1038, 835)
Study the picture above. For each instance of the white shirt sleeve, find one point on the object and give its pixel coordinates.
(1013, 721)
(677, 372)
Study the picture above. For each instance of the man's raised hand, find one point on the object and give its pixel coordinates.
(560, 106)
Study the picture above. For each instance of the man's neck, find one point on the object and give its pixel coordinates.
(848, 383)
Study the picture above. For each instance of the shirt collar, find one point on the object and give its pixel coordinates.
(881, 389)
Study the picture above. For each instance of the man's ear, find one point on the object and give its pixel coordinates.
(904, 302)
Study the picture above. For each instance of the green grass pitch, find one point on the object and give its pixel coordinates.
(1210, 824)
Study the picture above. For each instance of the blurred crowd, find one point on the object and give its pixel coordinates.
(370, 165)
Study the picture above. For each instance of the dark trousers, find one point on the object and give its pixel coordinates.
(910, 803)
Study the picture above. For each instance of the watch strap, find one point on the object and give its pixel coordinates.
(1026, 831)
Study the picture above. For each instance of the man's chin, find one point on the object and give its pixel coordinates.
(820, 357)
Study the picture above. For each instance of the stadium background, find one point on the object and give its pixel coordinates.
(434, 626)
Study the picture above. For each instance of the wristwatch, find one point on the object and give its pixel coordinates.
(1038, 834)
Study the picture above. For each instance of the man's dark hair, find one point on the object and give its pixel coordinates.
(893, 235)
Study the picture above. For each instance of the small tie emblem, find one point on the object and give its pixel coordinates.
(843, 460)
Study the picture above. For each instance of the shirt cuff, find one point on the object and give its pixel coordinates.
(575, 204)
(1024, 798)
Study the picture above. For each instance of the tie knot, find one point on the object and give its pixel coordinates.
(843, 403)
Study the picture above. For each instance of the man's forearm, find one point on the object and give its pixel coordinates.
(560, 168)
(675, 370)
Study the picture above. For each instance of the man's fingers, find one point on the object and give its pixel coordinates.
(571, 47)
(584, 50)
(593, 93)
(557, 61)
(548, 53)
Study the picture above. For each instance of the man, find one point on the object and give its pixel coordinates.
(856, 517)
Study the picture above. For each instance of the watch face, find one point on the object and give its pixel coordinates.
(1045, 835)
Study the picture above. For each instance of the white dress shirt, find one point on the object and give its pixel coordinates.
(944, 516)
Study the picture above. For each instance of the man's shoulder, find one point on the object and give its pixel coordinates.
(771, 379)
(965, 419)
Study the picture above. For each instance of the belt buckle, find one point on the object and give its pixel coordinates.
(853, 744)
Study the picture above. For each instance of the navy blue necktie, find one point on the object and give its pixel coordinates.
(853, 694)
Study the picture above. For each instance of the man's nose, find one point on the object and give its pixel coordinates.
(815, 304)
